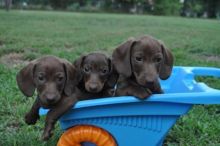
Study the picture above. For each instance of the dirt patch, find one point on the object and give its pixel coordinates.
(13, 59)
(214, 58)
(13, 126)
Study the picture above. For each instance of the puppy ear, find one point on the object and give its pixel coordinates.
(121, 58)
(167, 63)
(79, 62)
(78, 66)
(113, 77)
(71, 77)
(25, 79)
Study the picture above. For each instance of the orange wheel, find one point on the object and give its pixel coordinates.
(86, 133)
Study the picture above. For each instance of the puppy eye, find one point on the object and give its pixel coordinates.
(104, 71)
(41, 78)
(86, 69)
(158, 60)
(138, 58)
(60, 78)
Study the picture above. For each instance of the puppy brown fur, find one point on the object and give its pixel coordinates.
(140, 62)
(98, 76)
(54, 79)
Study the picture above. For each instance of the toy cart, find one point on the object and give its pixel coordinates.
(132, 122)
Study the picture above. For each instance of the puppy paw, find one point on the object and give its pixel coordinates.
(142, 97)
(31, 119)
(144, 94)
(110, 92)
(161, 92)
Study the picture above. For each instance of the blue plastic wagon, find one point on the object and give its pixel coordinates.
(137, 123)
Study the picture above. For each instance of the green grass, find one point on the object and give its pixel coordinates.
(194, 42)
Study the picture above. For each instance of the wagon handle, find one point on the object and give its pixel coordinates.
(204, 71)
(210, 96)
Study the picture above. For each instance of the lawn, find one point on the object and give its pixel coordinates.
(26, 35)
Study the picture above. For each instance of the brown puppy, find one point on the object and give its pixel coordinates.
(140, 62)
(98, 77)
(54, 80)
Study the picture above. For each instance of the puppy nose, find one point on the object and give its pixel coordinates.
(149, 83)
(50, 98)
(93, 87)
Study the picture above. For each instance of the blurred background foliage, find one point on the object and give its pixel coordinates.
(188, 8)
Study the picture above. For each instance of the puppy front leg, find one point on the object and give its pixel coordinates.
(55, 113)
(139, 92)
(157, 88)
(33, 115)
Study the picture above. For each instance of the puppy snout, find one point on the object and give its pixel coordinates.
(50, 98)
(149, 83)
(146, 82)
(93, 87)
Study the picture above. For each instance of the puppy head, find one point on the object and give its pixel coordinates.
(51, 76)
(96, 70)
(146, 58)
